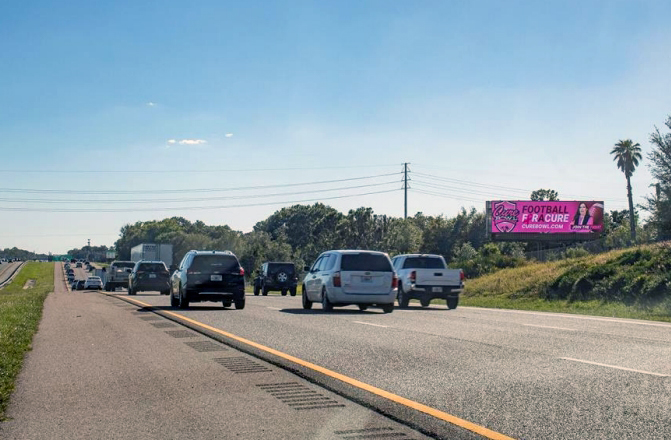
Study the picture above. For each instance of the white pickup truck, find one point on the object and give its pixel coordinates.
(426, 277)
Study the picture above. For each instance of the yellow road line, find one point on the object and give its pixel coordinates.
(488, 433)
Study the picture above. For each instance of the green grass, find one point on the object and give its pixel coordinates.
(20, 313)
(626, 283)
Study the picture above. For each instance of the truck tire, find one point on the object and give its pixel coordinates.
(174, 302)
(284, 292)
(256, 290)
(265, 291)
(452, 303)
(292, 291)
(402, 297)
(239, 304)
(425, 301)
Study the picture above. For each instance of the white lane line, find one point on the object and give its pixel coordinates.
(547, 326)
(616, 367)
(368, 323)
(565, 315)
(273, 308)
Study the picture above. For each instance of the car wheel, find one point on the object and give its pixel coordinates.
(131, 291)
(284, 292)
(239, 304)
(388, 308)
(256, 290)
(363, 307)
(292, 292)
(326, 304)
(265, 291)
(452, 303)
(425, 301)
(307, 304)
(227, 303)
(173, 300)
(402, 297)
(183, 300)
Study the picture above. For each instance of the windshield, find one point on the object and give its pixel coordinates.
(216, 263)
(152, 267)
(423, 263)
(366, 262)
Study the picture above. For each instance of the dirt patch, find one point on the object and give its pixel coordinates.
(29, 284)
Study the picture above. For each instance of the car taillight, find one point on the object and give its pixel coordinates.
(242, 271)
(462, 275)
(394, 282)
(336, 279)
(413, 276)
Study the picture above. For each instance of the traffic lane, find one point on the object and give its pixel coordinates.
(101, 368)
(7, 269)
(487, 383)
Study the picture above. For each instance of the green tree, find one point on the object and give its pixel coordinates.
(659, 205)
(403, 237)
(545, 194)
(628, 154)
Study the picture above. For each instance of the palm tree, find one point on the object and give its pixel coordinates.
(627, 154)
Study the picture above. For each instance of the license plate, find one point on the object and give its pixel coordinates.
(216, 278)
(437, 289)
(366, 279)
(152, 275)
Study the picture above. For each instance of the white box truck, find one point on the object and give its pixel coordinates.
(152, 252)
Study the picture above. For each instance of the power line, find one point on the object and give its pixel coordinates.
(197, 199)
(170, 191)
(238, 170)
(193, 207)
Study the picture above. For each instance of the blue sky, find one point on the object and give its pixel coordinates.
(508, 95)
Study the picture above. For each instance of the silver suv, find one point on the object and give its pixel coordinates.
(345, 277)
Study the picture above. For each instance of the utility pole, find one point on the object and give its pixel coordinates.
(405, 189)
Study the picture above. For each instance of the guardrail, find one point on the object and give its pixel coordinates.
(11, 277)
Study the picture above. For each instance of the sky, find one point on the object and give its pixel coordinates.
(226, 111)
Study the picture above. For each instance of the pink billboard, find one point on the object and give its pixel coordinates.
(526, 216)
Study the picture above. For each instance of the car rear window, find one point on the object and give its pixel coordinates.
(152, 267)
(276, 268)
(207, 263)
(124, 264)
(365, 261)
(423, 263)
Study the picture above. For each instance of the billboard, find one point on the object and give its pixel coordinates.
(522, 219)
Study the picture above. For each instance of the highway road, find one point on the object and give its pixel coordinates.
(523, 374)
(6, 270)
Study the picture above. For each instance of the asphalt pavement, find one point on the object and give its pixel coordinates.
(104, 368)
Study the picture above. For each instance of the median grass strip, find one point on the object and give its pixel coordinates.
(627, 283)
(20, 313)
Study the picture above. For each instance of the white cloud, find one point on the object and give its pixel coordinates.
(192, 142)
(171, 141)
(229, 135)
(151, 104)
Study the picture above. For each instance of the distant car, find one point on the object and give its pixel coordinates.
(149, 276)
(208, 276)
(78, 264)
(279, 277)
(344, 277)
(117, 274)
(78, 284)
(71, 277)
(93, 283)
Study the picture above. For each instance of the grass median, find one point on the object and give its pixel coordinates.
(20, 313)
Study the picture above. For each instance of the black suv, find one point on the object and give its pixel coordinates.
(208, 276)
(149, 275)
(280, 277)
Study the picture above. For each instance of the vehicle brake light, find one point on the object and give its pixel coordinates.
(462, 275)
(336, 279)
(242, 271)
(413, 276)
(394, 282)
